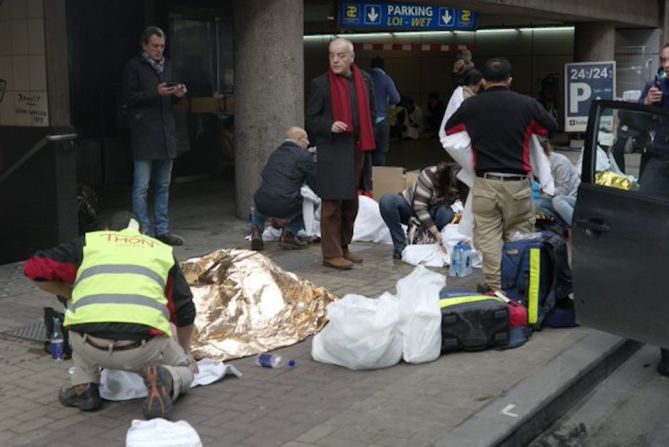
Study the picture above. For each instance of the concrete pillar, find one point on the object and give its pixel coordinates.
(594, 41)
(269, 85)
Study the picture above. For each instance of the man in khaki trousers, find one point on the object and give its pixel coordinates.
(126, 296)
(500, 124)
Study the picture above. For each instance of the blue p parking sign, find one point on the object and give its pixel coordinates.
(583, 83)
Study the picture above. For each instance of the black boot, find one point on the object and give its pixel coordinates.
(85, 396)
(256, 238)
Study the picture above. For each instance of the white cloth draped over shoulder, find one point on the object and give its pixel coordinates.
(459, 148)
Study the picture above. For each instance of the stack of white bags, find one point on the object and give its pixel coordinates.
(365, 333)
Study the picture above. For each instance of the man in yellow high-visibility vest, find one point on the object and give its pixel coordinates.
(124, 290)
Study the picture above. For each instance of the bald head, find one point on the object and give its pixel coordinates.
(298, 135)
(341, 56)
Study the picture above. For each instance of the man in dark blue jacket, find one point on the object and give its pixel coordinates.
(149, 91)
(288, 168)
(385, 93)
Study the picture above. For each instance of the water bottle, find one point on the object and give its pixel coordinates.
(269, 361)
(466, 259)
(456, 261)
(57, 341)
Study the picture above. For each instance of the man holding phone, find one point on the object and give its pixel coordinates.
(149, 92)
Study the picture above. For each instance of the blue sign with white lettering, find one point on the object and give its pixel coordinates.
(584, 82)
(405, 16)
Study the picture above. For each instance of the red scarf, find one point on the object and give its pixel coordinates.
(341, 106)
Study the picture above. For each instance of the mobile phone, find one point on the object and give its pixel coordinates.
(171, 84)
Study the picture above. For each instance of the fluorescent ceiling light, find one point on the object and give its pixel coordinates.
(496, 30)
(548, 28)
(366, 35)
(422, 33)
(319, 36)
(437, 33)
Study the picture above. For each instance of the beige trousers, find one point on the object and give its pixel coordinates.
(500, 208)
(159, 351)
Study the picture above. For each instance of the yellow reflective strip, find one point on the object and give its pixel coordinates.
(533, 288)
(445, 302)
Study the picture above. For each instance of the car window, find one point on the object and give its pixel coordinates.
(632, 150)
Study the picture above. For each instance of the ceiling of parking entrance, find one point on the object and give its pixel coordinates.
(320, 15)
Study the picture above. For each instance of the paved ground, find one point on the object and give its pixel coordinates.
(628, 409)
(311, 405)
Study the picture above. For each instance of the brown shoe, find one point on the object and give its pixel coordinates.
(256, 238)
(159, 387)
(289, 241)
(338, 263)
(352, 257)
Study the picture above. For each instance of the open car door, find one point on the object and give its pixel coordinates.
(620, 244)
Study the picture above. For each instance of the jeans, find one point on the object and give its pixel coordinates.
(382, 138)
(395, 211)
(564, 207)
(294, 226)
(158, 172)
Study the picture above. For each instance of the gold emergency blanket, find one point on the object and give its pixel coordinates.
(246, 304)
(614, 180)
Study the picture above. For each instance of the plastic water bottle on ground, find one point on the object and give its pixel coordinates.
(57, 341)
(269, 361)
(455, 268)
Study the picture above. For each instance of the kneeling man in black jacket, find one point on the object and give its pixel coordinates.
(288, 168)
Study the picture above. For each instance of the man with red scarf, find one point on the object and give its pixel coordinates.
(340, 113)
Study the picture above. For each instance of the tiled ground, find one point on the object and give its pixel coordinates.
(310, 405)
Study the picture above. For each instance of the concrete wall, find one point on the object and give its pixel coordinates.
(23, 77)
(639, 13)
(39, 199)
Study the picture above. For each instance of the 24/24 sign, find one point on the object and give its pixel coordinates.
(585, 82)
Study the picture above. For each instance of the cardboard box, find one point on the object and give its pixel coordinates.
(387, 180)
(410, 177)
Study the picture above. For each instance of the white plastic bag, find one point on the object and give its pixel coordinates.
(362, 333)
(161, 433)
(430, 255)
(420, 315)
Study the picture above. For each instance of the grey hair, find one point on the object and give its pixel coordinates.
(349, 44)
(152, 31)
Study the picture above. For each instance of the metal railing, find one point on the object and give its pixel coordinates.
(63, 138)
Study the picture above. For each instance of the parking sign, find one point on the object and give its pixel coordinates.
(583, 83)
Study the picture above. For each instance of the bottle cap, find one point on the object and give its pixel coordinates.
(291, 363)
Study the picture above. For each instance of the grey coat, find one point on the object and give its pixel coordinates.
(335, 174)
(150, 116)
